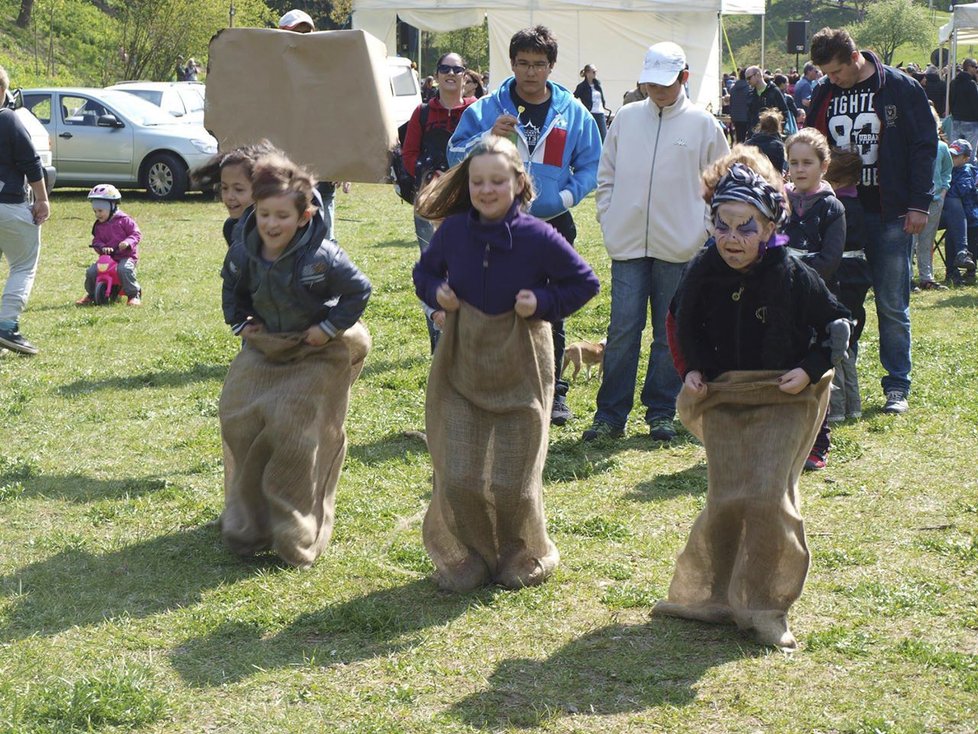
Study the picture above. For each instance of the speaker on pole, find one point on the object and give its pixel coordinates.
(797, 36)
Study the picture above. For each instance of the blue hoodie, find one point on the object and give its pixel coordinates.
(564, 165)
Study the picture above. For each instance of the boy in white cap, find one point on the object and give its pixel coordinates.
(296, 20)
(654, 220)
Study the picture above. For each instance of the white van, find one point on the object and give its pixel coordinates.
(405, 88)
(39, 136)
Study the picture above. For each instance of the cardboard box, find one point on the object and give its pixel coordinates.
(322, 97)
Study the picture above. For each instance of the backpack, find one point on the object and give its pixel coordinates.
(405, 185)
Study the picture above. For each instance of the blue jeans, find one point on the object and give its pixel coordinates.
(602, 121)
(888, 252)
(637, 286)
(424, 230)
(955, 223)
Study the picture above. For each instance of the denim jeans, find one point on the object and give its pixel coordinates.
(955, 223)
(424, 231)
(563, 223)
(888, 250)
(636, 286)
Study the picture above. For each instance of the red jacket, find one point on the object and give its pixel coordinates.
(439, 118)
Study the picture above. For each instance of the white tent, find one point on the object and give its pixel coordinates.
(611, 34)
(963, 27)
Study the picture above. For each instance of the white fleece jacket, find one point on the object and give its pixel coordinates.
(648, 196)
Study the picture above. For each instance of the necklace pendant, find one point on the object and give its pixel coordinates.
(735, 296)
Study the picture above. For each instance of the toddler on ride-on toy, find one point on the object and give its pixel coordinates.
(115, 237)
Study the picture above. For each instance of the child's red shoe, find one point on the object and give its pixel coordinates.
(815, 461)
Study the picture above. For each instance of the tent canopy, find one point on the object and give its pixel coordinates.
(963, 25)
(611, 34)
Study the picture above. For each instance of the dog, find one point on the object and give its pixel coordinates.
(587, 354)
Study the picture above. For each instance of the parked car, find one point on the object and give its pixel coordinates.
(108, 136)
(39, 136)
(405, 88)
(183, 100)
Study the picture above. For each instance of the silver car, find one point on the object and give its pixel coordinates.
(108, 136)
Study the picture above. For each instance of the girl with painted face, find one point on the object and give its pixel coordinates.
(750, 329)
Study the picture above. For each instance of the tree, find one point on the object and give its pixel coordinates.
(891, 23)
(24, 16)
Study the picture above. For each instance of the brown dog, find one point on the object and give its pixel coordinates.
(586, 354)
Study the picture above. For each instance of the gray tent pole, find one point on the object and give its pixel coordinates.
(763, 18)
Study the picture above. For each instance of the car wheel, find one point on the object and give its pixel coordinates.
(165, 177)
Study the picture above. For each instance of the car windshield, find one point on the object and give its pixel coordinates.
(136, 109)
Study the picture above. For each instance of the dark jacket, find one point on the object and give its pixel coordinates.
(18, 159)
(936, 91)
(817, 227)
(311, 282)
(908, 138)
(488, 264)
(772, 147)
(770, 97)
(583, 93)
(964, 98)
(773, 317)
(740, 100)
(965, 187)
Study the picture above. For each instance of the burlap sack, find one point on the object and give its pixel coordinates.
(746, 558)
(282, 412)
(488, 420)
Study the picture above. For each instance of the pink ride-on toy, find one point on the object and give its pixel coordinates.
(107, 283)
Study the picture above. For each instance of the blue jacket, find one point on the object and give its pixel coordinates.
(564, 165)
(907, 142)
(964, 187)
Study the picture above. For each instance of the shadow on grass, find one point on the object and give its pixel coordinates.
(164, 378)
(612, 670)
(74, 487)
(366, 627)
(570, 459)
(375, 367)
(413, 243)
(664, 486)
(76, 587)
(392, 446)
(959, 300)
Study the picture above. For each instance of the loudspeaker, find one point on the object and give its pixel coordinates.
(939, 57)
(797, 36)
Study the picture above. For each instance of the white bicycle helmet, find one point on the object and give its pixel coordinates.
(108, 192)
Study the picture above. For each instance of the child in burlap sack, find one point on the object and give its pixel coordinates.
(755, 333)
(500, 275)
(295, 298)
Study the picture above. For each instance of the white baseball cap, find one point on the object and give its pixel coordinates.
(294, 18)
(663, 62)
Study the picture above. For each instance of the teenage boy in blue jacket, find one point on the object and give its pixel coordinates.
(557, 138)
(863, 105)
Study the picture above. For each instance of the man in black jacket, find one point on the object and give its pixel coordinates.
(964, 103)
(763, 95)
(882, 114)
(20, 222)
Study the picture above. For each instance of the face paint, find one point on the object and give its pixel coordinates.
(739, 234)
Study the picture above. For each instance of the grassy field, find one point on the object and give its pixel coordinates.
(121, 611)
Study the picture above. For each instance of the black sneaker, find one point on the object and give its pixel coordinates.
(662, 429)
(896, 402)
(600, 430)
(963, 260)
(560, 413)
(13, 340)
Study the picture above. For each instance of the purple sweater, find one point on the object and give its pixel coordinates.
(121, 233)
(488, 264)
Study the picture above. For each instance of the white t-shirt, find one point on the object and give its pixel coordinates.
(597, 103)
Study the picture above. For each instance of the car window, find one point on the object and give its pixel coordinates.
(403, 83)
(40, 105)
(193, 100)
(148, 94)
(77, 110)
(136, 109)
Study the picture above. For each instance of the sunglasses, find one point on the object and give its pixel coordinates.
(447, 69)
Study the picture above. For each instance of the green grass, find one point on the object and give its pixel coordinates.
(121, 611)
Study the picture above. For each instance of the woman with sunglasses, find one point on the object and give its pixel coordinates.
(425, 146)
(592, 97)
